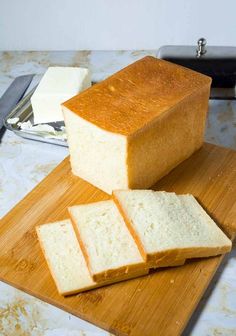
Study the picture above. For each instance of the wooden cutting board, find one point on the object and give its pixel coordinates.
(157, 304)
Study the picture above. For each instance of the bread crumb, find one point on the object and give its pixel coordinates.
(177, 322)
(112, 88)
(172, 281)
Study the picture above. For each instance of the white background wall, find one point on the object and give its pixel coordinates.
(114, 24)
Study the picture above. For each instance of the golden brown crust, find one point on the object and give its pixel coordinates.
(170, 139)
(154, 260)
(109, 282)
(134, 96)
(113, 274)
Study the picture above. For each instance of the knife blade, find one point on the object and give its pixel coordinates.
(13, 95)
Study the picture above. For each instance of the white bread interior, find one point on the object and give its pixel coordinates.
(167, 227)
(97, 156)
(66, 261)
(108, 247)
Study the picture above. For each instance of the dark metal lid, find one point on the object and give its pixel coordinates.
(215, 61)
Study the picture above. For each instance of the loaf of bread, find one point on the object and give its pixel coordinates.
(108, 247)
(66, 261)
(168, 227)
(134, 127)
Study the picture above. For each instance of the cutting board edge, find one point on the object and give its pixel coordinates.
(98, 323)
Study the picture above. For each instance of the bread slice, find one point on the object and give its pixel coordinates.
(167, 227)
(109, 249)
(66, 261)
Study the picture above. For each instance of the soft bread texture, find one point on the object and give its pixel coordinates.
(107, 245)
(64, 257)
(97, 156)
(137, 125)
(66, 261)
(167, 227)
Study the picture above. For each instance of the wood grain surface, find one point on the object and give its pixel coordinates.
(158, 304)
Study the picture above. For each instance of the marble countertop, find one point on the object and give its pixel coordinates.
(21, 169)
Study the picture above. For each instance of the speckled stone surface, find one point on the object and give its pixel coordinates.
(23, 163)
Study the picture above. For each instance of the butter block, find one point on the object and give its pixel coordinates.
(57, 85)
(137, 125)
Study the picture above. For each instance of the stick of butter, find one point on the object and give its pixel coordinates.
(57, 85)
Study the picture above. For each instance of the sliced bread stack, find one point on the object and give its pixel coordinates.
(119, 239)
(169, 227)
(66, 261)
(109, 249)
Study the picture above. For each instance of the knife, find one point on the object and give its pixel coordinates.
(13, 95)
